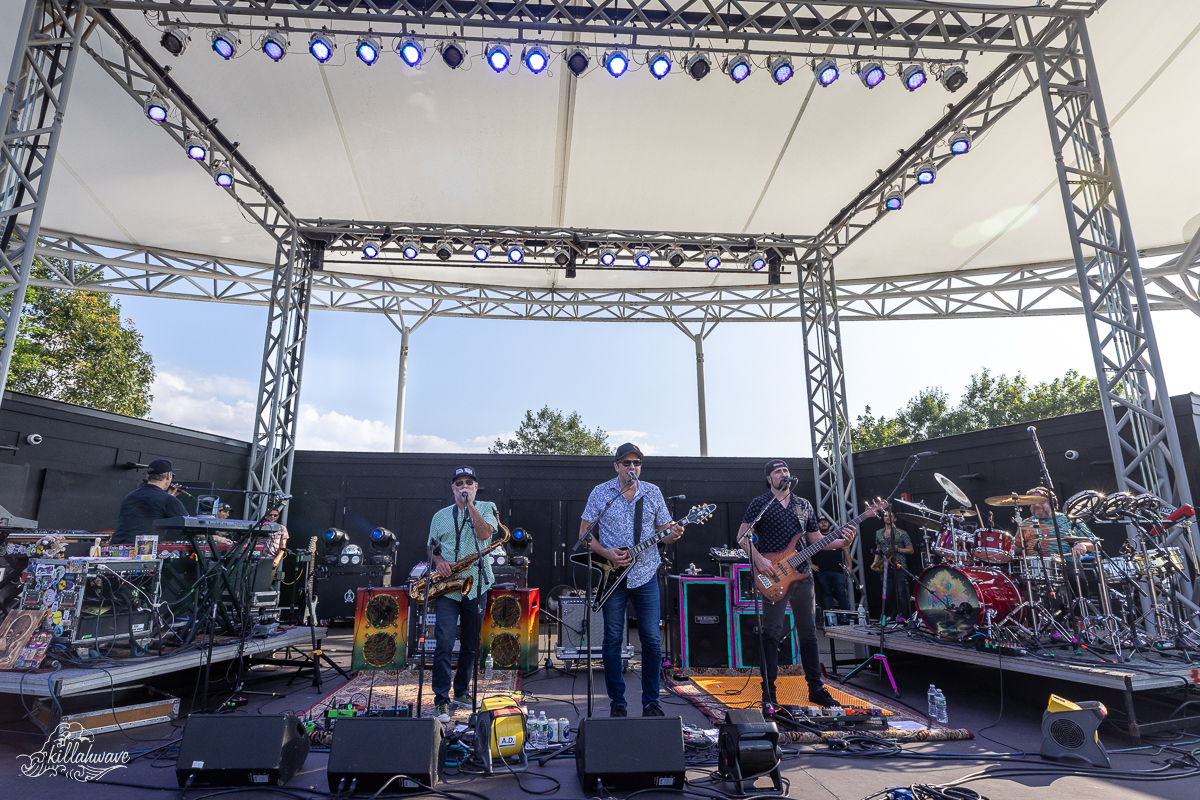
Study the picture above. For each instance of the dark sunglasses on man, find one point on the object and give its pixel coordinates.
(464, 482)
(631, 463)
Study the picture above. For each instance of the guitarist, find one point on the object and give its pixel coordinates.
(786, 517)
(636, 510)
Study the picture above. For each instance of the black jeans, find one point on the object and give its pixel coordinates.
(800, 598)
(448, 613)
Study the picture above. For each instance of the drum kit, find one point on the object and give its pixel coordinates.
(1032, 586)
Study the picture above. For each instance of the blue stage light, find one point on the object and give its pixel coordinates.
(893, 200)
(516, 254)
(321, 45)
(482, 251)
(367, 49)
(225, 44)
(713, 260)
(960, 142)
(536, 59)
(411, 52)
(660, 65)
(410, 249)
(197, 148)
(371, 248)
(757, 260)
(781, 69)
(222, 174)
(155, 107)
(913, 77)
(826, 72)
(739, 69)
(275, 45)
(642, 259)
(608, 256)
(498, 57)
(871, 73)
(926, 173)
(616, 62)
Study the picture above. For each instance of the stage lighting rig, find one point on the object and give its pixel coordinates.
(926, 173)
(335, 539)
(156, 107)
(222, 174)
(660, 65)
(225, 44)
(410, 249)
(757, 260)
(826, 72)
(197, 148)
(712, 259)
(498, 57)
(275, 45)
(482, 251)
(870, 73)
(453, 54)
(954, 78)
(578, 61)
(781, 69)
(616, 62)
(698, 65)
(960, 141)
(516, 253)
(608, 256)
(371, 248)
(738, 69)
(519, 542)
(382, 538)
(913, 76)
(893, 200)
(675, 257)
(321, 45)
(642, 258)
(175, 41)
(351, 555)
(536, 58)
(410, 51)
(562, 255)
(443, 250)
(367, 49)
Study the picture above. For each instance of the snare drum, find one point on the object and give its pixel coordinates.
(1037, 568)
(993, 546)
(954, 545)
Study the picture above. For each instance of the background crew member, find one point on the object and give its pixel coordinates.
(893, 543)
(635, 502)
(829, 570)
(223, 511)
(785, 517)
(1042, 515)
(454, 533)
(154, 499)
(278, 540)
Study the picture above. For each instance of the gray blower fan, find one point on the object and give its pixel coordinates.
(1069, 731)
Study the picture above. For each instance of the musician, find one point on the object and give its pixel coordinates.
(456, 532)
(223, 511)
(1043, 515)
(629, 510)
(893, 543)
(786, 517)
(274, 547)
(154, 499)
(829, 570)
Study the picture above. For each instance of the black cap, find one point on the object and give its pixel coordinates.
(159, 466)
(626, 449)
(463, 472)
(772, 465)
(224, 507)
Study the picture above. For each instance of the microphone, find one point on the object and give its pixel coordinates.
(927, 453)
(631, 476)
(678, 497)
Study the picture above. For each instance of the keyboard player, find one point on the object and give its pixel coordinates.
(155, 499)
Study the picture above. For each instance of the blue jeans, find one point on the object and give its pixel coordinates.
(645, 607)
(834, 594)
(448, 612)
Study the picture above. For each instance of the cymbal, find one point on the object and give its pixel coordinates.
(962, 512)
(951, 489)
(918, 514)
(1009, 500)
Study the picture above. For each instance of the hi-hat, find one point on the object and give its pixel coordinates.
(1009, 500)
(951, 489)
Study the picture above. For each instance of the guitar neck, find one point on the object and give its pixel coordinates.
(803, 555)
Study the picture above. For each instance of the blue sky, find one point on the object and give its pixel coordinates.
(470, 381)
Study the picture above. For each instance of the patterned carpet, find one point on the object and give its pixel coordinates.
(385, 689)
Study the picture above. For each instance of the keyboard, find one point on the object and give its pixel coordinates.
(175, 528)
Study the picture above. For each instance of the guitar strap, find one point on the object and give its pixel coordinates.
(637, 522)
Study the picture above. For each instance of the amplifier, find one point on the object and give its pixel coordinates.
(236, 750)
(380, 629)
(699, 621)
(744, 593)
(510, 629)
(572, 618)
(630, 753)
(371, 750)
(747, 635)
(337, 587)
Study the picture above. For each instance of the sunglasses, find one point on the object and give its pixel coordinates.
(465, 482)
(630, 463)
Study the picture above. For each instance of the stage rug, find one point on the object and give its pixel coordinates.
(713, 694)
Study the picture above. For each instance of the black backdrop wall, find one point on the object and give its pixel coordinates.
(76, 477)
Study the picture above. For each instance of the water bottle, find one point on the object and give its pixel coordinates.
(531, 728)
(932, 695)
(543, 730)
(943, 716)
(488, 666)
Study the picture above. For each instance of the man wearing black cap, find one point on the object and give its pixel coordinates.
(154, 499)
(630, 510)
(456, 532)
(785, 516)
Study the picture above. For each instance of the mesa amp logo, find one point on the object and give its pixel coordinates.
(702, 619)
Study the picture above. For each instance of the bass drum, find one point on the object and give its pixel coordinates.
(954, 602)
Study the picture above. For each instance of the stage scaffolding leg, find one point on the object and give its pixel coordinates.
(274, 442)
(833, 457)
(1142, 435)
(33, 108)
(698, 338)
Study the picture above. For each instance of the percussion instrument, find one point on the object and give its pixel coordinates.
(952, 490)
(954, 545)
(1038, 568)
(993, 546)
(1158, 561)
(954, 601)
(1010, 500)
(917, 513)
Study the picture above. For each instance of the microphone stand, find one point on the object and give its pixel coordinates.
(423, 624)
(1071, 619)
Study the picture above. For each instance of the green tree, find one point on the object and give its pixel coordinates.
(73, 346)
(989, 401)
(550, 433)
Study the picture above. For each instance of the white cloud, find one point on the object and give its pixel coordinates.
(641, 438)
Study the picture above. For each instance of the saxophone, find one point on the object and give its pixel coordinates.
(434, 585)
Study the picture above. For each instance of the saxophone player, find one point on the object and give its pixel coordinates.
(456, 532)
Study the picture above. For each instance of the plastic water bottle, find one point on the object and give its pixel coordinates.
(543, 730)
(531, 725)
(943, 716)
(932, 695)
(488, 667)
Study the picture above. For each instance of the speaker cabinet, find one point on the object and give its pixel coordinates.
(573, 617)
(233, 750)
(337, 588)
(510, 629)
(373, 749)
(380, 629)
(630, 753)
(701, 621)
(747, 650)
(744, 593)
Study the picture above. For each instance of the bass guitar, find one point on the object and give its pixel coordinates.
(611, 575)
(786, 565)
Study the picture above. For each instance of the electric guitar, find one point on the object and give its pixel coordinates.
(787, 563)
(611, 575)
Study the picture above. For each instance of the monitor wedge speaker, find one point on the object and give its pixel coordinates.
(369, 751)
(627, 753)
(236, 750)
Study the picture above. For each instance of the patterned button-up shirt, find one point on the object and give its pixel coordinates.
(616, 527)
(1067, 527)
(779, 524)
(455, 545)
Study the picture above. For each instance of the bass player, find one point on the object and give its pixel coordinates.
(784, 516)
(456, 532)
(629, 510)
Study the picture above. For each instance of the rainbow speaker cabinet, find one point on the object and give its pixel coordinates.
(510, 629)
(380, 629)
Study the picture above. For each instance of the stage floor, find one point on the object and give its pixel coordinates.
(140, 670)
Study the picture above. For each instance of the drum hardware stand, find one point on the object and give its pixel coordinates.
(1071, 623)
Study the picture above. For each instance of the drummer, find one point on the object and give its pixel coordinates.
(1042, 515)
